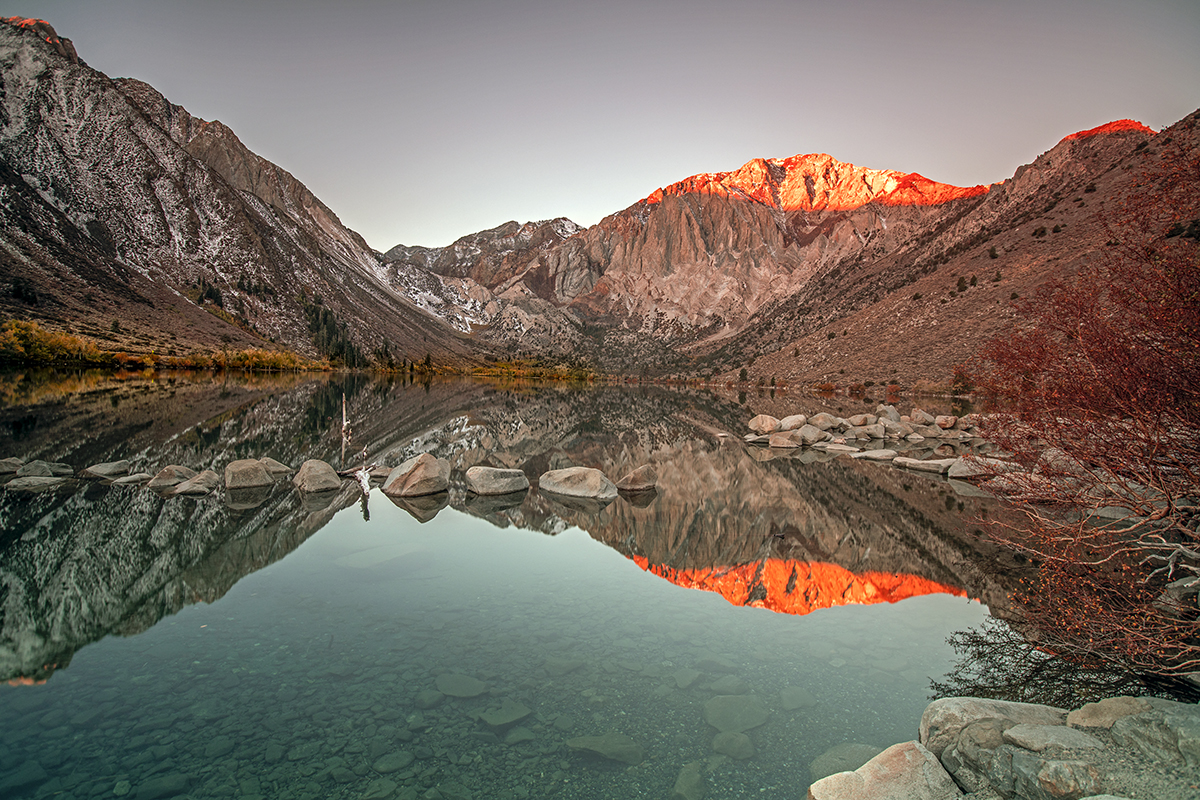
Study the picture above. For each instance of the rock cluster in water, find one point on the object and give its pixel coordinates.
(1119, 747)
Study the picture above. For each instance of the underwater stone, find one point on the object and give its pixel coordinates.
(510, 711)
(612, 745)
(457, 685)
(733, 744)
(393, 762)
(736, 712)
(794, 697)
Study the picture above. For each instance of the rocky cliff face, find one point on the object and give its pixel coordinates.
(117, 204)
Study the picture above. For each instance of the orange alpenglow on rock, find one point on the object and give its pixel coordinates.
(799, 587)
(1116, 126)
(817, 182)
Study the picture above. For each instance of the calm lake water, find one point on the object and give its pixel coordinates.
(285, 646)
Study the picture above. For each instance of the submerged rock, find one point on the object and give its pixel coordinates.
(612, 745)
(690, 783)
(457, 685)
(578, 482)
(495, 481)
(316, 476)
(509, 712)
(735, 712)
(421, 475)
(843, 757)
(733, 744)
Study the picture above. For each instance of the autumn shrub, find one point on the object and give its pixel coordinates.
(1099, 385)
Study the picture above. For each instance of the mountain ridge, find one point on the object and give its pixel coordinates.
(117, 204)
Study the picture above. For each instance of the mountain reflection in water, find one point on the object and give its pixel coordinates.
(89, 560)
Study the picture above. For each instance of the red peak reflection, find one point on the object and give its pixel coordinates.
(799, 587)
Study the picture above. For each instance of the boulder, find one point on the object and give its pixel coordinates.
(642, 479)
(1042, 737)
(170, 476)
(9, 466)
(945, 421)
(875, 455)
(495, 481)
(786, 439)
(936, 465)
(1168, 732)
(810, 434)
(873, 431)
(823, 421)
(735, 712)
(764, 423)
(34, 483)
(896, 429)
(109, 469)
(905, 771)
(979, 467)
(578, 482)
(421, 475)
(887, 412)
(246, 473)
(274, 467)
(201, 484)
(612, 745)
(136, 479)
(944, 719)
(1104, 713)
(315, 475)
(861, 420)
(920, 417)
(44, 469)
(792, 422)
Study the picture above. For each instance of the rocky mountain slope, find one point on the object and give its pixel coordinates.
(116, 205)
(802, 269)
(126, 219)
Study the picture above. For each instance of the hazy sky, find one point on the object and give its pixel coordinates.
(418, 122)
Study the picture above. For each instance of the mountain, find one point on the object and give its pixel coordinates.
(125, 219)
(116, 204)
(803, 269)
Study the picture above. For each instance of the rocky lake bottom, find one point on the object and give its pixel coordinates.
(319, 676)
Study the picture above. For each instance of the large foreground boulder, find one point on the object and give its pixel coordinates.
(578, 482)
(424, 474)
(905, 771)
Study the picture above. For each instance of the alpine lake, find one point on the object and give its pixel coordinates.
(751, 626)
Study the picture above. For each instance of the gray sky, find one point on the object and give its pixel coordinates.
(419, 122)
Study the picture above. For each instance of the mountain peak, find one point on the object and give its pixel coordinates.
(46, 31)
(818, 181)
(1116, 126)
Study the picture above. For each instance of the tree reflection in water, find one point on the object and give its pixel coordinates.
(998, 662)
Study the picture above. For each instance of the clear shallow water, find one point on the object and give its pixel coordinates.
(243, 650)
(306, 674)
